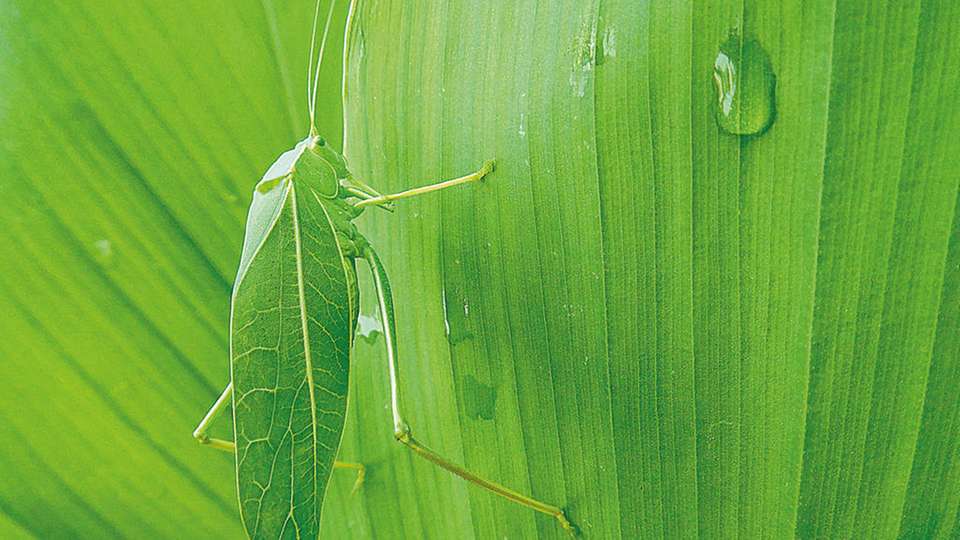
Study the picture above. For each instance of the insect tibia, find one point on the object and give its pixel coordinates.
(484, 170)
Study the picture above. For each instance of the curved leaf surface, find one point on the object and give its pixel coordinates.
(669, 329)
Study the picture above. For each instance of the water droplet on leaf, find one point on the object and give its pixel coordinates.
(607, 45)
(104, 250)
(746, 87)
(456, 325)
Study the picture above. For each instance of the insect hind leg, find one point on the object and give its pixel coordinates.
(405, 437)
(401, 429)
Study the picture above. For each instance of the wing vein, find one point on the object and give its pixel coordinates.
(307, 356)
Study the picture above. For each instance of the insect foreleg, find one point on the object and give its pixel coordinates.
(401, 430)
(200, 434)
(472, 177)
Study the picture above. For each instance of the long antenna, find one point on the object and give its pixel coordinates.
(313, 38)
(314, 73)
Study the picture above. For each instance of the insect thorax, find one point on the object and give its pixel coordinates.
(315, 168)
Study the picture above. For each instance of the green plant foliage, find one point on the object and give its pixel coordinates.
(132, 136)
(670, 330)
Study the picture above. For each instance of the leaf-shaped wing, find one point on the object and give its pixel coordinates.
(290, 346)
(268, 199)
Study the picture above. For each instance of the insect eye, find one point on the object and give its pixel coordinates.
(321, 141)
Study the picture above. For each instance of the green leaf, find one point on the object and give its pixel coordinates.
(132, 137)
(668, 329)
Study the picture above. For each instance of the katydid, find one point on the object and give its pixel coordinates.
(294, 311)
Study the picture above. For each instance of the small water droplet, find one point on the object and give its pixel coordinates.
(361, 48)
(585, 48)
(456, 325)
(104, 250)
(446, 320)
(607, 47)
(746, 87)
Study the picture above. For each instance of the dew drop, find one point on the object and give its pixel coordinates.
(746, 87)
(456, 325)
(104, 251)
(361, 46)
(607, 45)
(104, 247)
(585, 48)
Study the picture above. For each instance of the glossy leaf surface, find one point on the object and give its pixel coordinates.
(132, 136)
(672, 330)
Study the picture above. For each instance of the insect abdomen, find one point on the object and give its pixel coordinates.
(290, 360)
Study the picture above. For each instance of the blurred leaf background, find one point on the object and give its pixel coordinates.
(670, 330)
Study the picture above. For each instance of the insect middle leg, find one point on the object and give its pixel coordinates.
(402, 431)
(200, 434)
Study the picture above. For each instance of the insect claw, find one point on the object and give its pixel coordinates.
(571, 529)
(488, 167)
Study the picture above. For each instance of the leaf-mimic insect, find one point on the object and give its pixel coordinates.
(294, 311)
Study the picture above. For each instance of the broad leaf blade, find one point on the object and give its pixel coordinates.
(132, 137)
(669, 329)
(713, 254)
